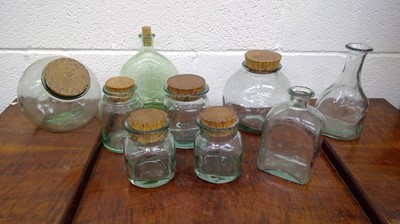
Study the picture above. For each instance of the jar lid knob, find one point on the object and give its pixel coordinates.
(262, 60)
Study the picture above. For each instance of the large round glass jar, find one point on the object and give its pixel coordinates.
(185, 96)
(58, 94)
(149, 150)
(255, 88)
(118, 101)
(218, 146)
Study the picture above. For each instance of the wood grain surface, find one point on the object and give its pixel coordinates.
(370, 165)
(42, 174)
(255, 197)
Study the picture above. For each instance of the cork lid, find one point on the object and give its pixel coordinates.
(218, 117)
(262, 60)
(147, 35)
(119, 84)
(186, 84)
(148, 119)
(66, 77)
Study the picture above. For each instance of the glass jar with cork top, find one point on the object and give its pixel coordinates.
(58, 93)
(186, 96)
(149, 150)
(119, 99)
(150, 70)
(255, 88)
(218, 145)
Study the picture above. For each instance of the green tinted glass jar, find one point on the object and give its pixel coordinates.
(150, 70)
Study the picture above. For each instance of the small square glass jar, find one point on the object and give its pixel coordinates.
(149, 150)
(218, 145)
(186, 96)
(119, 99)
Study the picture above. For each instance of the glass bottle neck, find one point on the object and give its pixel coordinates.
(354, 63)
(147, 42)
(300, 97)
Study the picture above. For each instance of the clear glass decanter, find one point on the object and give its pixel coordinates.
(150, 70)
(292, 137)
(344, 103)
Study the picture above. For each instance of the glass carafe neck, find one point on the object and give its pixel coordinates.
(147, 42)
(354, 63)
(300, 97)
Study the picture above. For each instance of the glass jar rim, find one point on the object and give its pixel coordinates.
(301, 91)
(359, 47)
(244, 65)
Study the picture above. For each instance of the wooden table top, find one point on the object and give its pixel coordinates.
(42, 174)
(370, 165)
(255, 197)
(48, 178)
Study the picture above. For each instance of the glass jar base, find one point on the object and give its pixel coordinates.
(251, 123)
(342, 138)
(216, 179)
(150, 183)
(184, 145)
(286, 176)
(114, 142)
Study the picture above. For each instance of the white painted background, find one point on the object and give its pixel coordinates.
(206, 37)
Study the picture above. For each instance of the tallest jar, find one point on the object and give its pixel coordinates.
(255, 88)
(344, 103)
(150, 70)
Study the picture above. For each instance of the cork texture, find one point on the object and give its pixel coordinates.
(119, 84)
(262, 60)
(218, 117)
(66, 77)
(147, 119)
(186, 84)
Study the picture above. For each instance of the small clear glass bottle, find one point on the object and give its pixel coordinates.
(218, 145)
(292, 137)
(185, 96)
(255, 88)
(149, 150)
(344, 103)
(58, 93)
(119, 100)
(150, 70)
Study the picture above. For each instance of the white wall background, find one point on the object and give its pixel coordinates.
(206, 37)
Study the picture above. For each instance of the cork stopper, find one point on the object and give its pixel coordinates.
(262, 60)
(147, 35)
(148, 119)
(119, 84)
(186, 84)
(66, 77)
(218, 117)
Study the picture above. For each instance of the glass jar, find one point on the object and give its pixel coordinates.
(344, 103)
(119, 99)
(149, 151)
(218, 145)
(255, 88)
(292, 137)
(58, 93)
(150, 70)
(185, 96)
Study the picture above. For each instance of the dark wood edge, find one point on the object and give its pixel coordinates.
(369, 208)
(73, 205)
